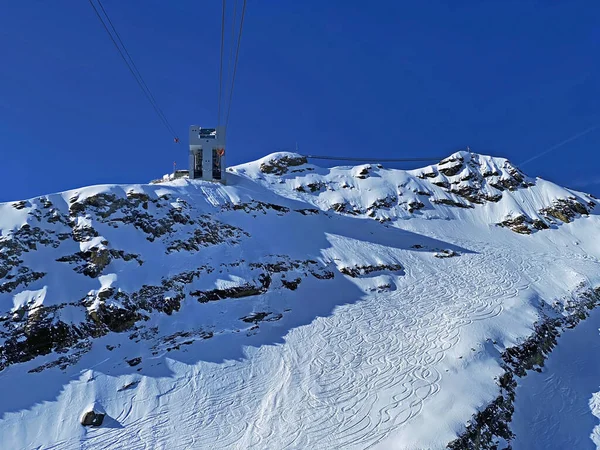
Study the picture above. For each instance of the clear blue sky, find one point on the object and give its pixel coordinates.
(508, 78)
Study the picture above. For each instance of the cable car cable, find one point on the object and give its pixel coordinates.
(340, 158)
(230, 59)
(153, 99)
(560, 144)
(237, 54)
(139, 81)
(235, 3)
(221, 63)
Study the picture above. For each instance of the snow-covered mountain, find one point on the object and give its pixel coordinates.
(295, 307)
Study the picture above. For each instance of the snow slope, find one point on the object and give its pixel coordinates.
(295, 307)
(558, 408)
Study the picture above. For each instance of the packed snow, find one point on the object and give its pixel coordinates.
(391, 296)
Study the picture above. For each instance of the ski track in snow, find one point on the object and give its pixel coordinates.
(357, 376)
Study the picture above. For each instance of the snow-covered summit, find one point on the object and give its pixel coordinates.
(464, 180)
(295, 307)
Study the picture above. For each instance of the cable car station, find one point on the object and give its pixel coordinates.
(207, 154)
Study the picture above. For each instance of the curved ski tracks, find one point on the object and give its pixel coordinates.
(344, 381)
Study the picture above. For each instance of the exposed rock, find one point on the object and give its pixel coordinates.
(424, 175)
(25, 277)
(176, 340)
(75, 354)
(258, 206)
(414, 206)
(37, 332)
(346, 208)
(539, 224)
(471, 193)
(475, 179)
(291, 285)
(520, 224)
(96, 259)
(92, 418)
(42, 333)
(449, 202)
(492, 198)
(339, 207)
(132, 210)
(280, 165)
(307, 211)
(386, 202)
(454, 158)
(357, 271)
(130, 385)
(261, 317)
(311, 187)
(451, 168)
(114, 318)
(12, 247)
(323, 274)
(134, 361)
(445, 254)
(245, 290)
(209, 232)
(425, 193)
(93, 415)
(361, 172)
(20, 205)
(442, 183)
(564, 210)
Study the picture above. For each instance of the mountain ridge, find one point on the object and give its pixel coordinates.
(162, 279)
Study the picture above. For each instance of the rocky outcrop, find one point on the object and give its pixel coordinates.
(257, 206)
(35, 332)
(134, 361)
(347, 208)
(308, 211)
(475, 178)
(244, 290)
(385, 202)
(208, 232)
(561, 211)
(362, 172)
(272, 275)
(523, 224)
(566, 209)
(358, 271)
(450, 202)
(280, 165)
(157, 218)
(445, 254)
(92, 262)
(316, 186)
(23, 277)
(261, 317)
(463, 180)
(93, 417)
(39, 330)
(26, 239)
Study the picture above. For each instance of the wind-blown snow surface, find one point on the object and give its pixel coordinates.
(274, 312)
(559, 407)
